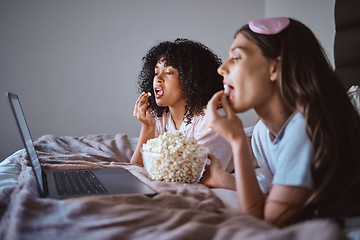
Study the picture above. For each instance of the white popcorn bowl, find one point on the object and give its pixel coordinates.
(187, 168)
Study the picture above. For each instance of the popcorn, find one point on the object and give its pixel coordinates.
(226, 89)
(149, 94)
(172, 157)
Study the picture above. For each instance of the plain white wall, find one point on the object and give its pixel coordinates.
(74, 63)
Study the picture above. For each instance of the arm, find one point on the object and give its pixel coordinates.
(250, 197)
(214, 176)
(210, 139)
(281, 199)
(143, 114)
(281, 202)
(230, 127)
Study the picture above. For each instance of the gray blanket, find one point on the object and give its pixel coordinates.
(179, 211)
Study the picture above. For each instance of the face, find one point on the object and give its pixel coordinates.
(166, 86)
(249, 74)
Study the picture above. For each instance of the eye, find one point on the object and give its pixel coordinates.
(235, 59)
(169, 73)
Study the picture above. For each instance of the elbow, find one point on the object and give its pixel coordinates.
(255, 210)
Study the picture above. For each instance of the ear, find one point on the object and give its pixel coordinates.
(275, 68)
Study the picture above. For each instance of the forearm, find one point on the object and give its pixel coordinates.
(226, 180)
(136, 157)
(215, 177)
(250, 197)
(146, 133)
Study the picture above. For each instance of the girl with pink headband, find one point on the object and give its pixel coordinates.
(308, 135)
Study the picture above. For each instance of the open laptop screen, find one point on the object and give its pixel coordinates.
(26, 137)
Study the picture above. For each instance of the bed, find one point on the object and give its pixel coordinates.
(178, 211)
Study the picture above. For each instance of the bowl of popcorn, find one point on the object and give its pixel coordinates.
(172, 157)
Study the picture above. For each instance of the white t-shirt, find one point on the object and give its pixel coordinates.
(202, 133)
(287, 159)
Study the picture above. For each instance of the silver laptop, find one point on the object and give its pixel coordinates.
(61, 184)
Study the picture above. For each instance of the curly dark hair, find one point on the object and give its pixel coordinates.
(198, 78)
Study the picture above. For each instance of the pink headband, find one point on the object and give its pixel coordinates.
(269, 26)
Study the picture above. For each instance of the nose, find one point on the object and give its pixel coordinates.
(157, 81)
(158, 78)
(222, 69)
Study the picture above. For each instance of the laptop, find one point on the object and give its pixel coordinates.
(62, 184)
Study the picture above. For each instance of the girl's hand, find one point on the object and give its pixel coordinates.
(215, 177)
(142, 112)
(230, 126)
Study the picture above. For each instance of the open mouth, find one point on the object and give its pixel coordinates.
(158, 92)
(228, 89)
(231, 92)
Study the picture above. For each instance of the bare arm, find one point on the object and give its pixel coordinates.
(250, 198)
(281, 199)
(281, 202)
(143, 114)
(230, 127)
(145, 134)
(215, 176)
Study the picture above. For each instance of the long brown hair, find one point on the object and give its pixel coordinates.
(309, 85)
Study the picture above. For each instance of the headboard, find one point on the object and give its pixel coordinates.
(347, 41)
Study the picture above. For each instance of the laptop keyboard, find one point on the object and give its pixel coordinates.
(78, 182)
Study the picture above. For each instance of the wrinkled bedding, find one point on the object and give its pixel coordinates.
(178, 211)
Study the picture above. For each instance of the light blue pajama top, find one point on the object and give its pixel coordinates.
(287, 159)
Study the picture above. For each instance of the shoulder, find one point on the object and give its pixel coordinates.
(260, 141)
(294, 151)
(260, 131)
(297, 120)
(295, 126)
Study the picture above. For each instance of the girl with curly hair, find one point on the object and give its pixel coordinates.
(181, 77)
(308, 136)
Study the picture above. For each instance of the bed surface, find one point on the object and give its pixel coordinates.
(179, 211)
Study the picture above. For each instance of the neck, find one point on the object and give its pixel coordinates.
(177, 115)
(275, 114)
(274, 124)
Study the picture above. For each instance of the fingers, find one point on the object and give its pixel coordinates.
(144, 115)
(213, 159)
(211, 107)
(142, 101)
(226, 105)
(214, 102)
(143, 98)
(211, 156)
(141, 110)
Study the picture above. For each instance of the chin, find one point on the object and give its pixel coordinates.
(238, 109)
(160, 104)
